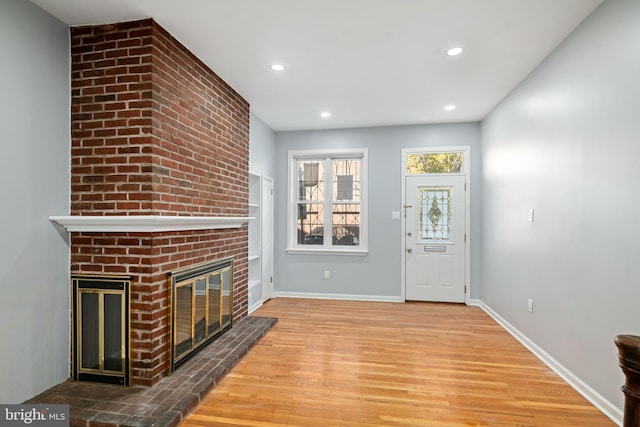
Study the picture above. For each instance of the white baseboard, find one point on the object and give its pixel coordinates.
(347, 297)
(474, 302)
(604, 405)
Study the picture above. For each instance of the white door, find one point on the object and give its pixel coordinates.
(267, 239)
(435, 239)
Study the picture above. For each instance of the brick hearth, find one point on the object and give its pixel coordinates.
(168, 402)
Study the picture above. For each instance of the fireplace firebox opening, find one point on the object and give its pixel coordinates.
(202, 305)
(101, 329)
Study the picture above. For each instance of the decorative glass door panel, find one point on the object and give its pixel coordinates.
(435, 215)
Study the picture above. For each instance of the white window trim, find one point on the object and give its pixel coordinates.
(342, 153)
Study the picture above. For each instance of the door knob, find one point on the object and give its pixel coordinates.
(409, 250)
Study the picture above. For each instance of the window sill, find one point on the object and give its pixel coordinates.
(324, 251)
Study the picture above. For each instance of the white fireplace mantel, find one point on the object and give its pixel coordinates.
(145, 223)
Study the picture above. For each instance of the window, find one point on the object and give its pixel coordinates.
(327, 202)
(434, 163)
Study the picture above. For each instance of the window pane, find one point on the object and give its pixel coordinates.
(310, 224)
(434, 213)
(346, 180)
(434, 163)
(310, 180)
(346, 224)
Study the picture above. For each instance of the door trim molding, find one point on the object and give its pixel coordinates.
(466, 149)
(267, 285)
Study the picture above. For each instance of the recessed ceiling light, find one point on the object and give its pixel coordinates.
(449, 107)
(325, 114)
(277, 67)
(454, 51)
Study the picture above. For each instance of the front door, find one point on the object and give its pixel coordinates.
(435, 239)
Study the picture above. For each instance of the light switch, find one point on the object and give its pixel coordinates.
(530, 215)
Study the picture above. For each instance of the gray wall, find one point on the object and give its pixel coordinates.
(262, 147)
(34, 170)
(378, 273)
(566, 142)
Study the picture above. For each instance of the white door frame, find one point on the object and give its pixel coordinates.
(467, 172)
(267, 219)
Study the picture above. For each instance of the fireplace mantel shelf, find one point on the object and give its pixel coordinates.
(145, 223)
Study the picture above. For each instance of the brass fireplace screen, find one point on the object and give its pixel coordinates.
(100, 325)
(202, 300)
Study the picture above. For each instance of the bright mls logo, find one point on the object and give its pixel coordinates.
(34, 415)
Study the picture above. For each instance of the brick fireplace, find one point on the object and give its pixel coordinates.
(159, 162)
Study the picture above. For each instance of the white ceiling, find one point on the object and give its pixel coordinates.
(368, 62)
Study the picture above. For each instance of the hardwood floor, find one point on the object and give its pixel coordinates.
(341, 363)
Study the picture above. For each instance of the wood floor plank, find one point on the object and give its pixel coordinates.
(345, 363)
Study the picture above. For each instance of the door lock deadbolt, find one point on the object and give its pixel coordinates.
(409, 250)
(409, 234)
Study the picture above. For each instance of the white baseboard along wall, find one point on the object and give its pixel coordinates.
(604, 405)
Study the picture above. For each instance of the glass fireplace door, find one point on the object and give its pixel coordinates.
(202, 307)
(100, 329)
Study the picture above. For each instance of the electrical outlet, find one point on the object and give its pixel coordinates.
(530, 305)
(326, 274)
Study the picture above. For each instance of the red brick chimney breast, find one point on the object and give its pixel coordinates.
(154, 132)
